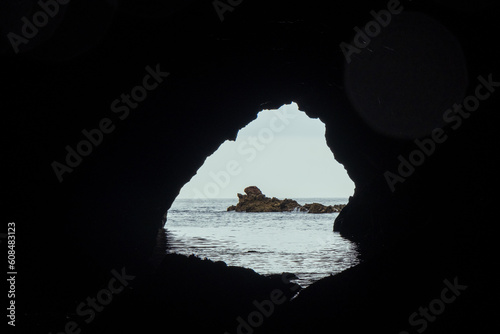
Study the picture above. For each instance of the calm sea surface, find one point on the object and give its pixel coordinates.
(267, 242)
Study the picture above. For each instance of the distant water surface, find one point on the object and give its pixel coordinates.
(267, 242)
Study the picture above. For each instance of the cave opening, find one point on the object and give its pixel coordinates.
(282, 154)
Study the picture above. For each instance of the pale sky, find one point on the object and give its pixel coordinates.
(283, 152)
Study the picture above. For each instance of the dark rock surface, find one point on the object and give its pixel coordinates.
(109, 210)
(252, 190)
(320, 208)
(255, 201)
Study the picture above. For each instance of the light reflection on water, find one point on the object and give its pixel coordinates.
(269, 243)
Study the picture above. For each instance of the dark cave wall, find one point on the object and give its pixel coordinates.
(106, 213)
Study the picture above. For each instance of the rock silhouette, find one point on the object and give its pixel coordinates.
(256, 201)
(252, 190)
(320, 208)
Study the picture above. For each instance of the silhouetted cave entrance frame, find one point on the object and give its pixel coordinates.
(268, 125)
(249, 149)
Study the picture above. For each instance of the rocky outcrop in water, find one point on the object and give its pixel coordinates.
(320, 208)
(256, 201)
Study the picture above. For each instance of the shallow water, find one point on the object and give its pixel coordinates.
(267, 242)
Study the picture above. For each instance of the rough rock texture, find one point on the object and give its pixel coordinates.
(256, 201)
(320, 208)
(111, 205)
(261, 203)
(252, 190)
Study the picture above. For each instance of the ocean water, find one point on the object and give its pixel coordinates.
(267, 242)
